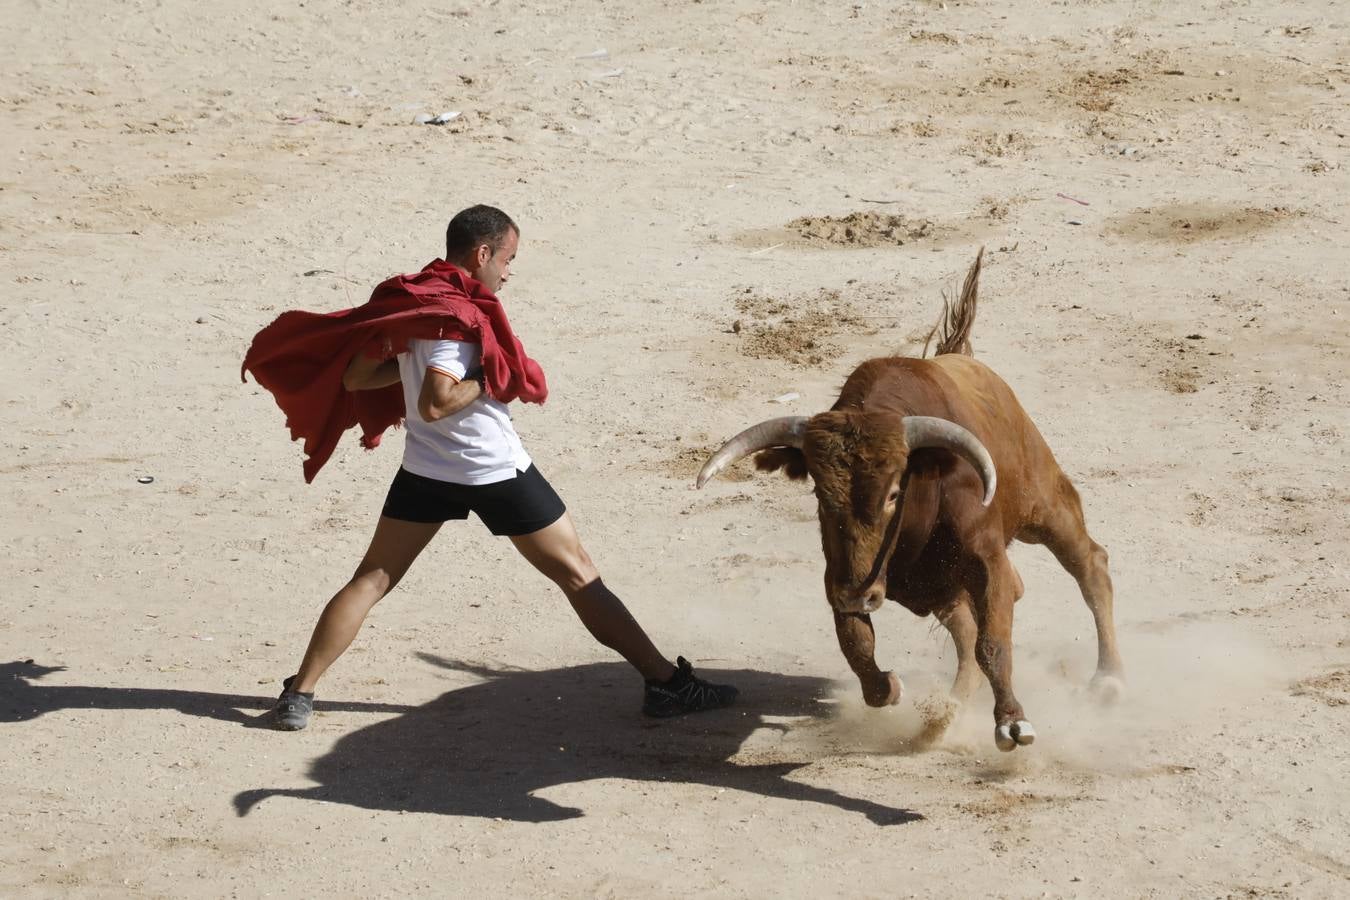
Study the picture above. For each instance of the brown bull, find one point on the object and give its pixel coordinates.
(904, 466)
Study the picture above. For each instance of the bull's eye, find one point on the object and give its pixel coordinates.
(894, 496)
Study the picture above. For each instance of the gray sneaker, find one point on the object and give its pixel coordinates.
(293, 708)
(684, 693)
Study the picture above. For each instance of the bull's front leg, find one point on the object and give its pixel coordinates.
(859, 643)
(994, 588)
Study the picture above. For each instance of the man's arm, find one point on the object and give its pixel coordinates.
(365, 373)
(444, 395)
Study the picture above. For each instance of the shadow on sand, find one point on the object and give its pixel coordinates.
(21, 699)
(487, 749)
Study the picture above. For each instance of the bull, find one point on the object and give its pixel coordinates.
(925, 470)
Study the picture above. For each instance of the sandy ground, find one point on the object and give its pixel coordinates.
(172, 176)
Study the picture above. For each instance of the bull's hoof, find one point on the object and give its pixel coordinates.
(885, 692)
(1107, 689)
(1014, 734)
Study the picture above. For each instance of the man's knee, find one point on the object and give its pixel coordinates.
(558, 554)
(375, 579)
(572, 570)
(577, 575)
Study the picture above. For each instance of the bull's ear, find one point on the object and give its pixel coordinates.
(791, 460)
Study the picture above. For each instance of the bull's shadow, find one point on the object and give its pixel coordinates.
(22, 698)
(485, 750)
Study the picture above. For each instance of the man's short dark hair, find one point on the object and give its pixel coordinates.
(474, 226)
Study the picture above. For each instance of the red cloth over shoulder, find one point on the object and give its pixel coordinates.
(302, 356)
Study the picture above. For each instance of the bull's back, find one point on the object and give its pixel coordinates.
(1027, 471)
(983, 401)
(951, 386)
(965, 391)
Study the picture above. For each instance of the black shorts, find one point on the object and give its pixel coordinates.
(516, 506)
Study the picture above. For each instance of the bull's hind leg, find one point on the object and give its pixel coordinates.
(960, 622)
(937, 715)
(1065, 534)
(859, 643)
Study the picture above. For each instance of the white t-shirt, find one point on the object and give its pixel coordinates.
(478, 444)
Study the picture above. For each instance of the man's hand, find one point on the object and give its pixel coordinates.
(365, 373)
(443, 395)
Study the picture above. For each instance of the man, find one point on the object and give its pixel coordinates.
(463, 455)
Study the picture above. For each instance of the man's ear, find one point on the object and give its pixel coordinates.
(482, 254)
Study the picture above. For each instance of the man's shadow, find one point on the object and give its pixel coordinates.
(488, 749)
(22, 700)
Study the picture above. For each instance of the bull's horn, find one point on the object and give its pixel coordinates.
(930, 431)
(784, 432)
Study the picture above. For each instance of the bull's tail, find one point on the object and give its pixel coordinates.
(953, 328)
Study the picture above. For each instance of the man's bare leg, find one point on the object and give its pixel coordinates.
(392, 550)
(556, 552)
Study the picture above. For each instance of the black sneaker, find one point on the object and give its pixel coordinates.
(684, 693)
(293, 708)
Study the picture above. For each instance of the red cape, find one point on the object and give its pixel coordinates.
(302, 356)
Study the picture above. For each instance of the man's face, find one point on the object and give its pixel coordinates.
(494, 269)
